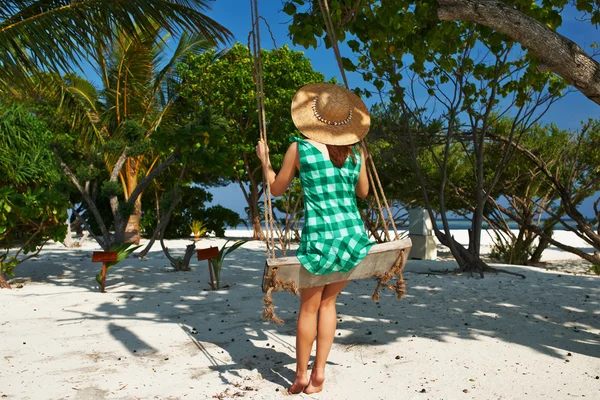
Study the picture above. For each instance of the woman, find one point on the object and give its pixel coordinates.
(332, 170)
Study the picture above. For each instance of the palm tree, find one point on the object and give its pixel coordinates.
(56, 35)
(139, 90)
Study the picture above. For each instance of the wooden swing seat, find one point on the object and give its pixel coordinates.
(381, 259)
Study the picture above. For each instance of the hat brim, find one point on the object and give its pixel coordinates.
(308, 124)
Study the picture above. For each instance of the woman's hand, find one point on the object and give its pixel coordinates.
(262, 151)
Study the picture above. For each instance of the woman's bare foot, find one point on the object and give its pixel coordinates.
(317, 377)
(299, 384)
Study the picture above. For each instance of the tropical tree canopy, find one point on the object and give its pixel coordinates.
(33, 206)
(57, 35)
(226, 84)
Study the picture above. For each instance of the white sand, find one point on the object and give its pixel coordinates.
(452, 337)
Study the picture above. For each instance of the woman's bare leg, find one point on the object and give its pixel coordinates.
(325, 334)
(306, 330)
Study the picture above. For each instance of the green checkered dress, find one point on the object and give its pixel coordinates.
(333, 238)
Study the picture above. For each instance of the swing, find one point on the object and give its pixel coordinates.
(384, 260)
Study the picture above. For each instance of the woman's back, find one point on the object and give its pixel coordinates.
(333, 238)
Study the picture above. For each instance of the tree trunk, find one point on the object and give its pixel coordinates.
(3, 282)
(189, 252)
(257, 229)
(132, 230)
(543, 244)
(557, 53)
(163, 221)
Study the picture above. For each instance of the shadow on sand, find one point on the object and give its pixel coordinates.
(558, 312)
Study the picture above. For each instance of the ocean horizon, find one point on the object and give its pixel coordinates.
(454, 224)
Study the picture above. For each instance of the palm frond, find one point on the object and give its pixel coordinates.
(165, 81)
(55, 35)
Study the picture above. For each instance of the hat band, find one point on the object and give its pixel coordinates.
(326, 121)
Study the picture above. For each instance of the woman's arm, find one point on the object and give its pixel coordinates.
(279, 182)
(362, 186)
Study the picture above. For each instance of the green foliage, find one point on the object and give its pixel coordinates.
(25, 153)
(33, 206)
(137, 111)
(225, 83)
(192, 207)
(125, 209)
(448, 83)
(57, 35)
(28, 219)
(123, 251)
(389, 35)
(389, 147)
(218, 261)
(111, 188)
(218, 217)
(516, 251)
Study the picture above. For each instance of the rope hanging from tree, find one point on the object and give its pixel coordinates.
(371, 169)
(262, 126)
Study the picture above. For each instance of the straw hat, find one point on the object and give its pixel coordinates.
(330, 114)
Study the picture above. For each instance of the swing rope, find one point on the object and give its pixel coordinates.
(372, 171)
(269, 308)
(260, 98)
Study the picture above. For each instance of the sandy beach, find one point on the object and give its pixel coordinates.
(159, 334)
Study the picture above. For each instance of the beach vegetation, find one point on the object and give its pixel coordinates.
(446, 85)
(198, 229)
(217, 262)
(123, 251)
(568, 175)
(225, 81)
(58, 35)
(118, 127)
(33, 204)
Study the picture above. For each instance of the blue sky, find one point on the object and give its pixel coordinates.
(235, 15)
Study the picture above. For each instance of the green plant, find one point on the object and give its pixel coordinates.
(198, 228)
(225, 82)
(123, 251)
(58, 35)
(595, 268)
(217, 263)
(33, 206)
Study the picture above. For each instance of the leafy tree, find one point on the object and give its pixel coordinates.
(119, 125)
(469, 73)
(226, 83)
(192, 207)
(202, 148)
(33, 208)
(527, 193)
(572, 175)
(527, 23)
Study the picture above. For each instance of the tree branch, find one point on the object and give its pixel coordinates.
(86, 197)
(166, 218)
(557, 53)
(141, 186)
(589, 257)
(87, 227)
